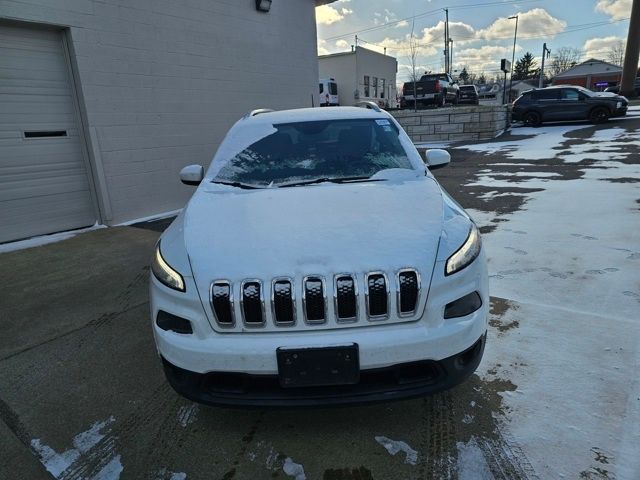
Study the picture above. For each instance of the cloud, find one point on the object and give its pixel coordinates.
(342, 44)
(616, 9)
(402, 23)
(601, 47)
(460, 33)
(486, 57)
(322, 50)
(326, 15)
(536, 22)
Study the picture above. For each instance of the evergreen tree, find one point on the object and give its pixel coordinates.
(526, 68)
(464, 76)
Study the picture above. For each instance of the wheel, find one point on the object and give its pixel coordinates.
(456, 99)
(599, 115)
(532, 119)
(442, 100)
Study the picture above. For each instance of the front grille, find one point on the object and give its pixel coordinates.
(377, 295)
(283, 302)
(384, 301)
(408, 291)
(346, 298)
(313, 299)
(221, 298)
(252, 302)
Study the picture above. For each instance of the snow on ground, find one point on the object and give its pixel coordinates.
(569, 262)
(45, 239)
(395, 446)
(472, 464)
(63, 465)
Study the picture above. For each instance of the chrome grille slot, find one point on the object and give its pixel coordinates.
(313, 299)
(252, 303)
(408, 291)
(377, 295)
(221, 299)
(283, 302)
(346, 298)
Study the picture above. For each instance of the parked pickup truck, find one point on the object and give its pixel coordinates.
(432, 88)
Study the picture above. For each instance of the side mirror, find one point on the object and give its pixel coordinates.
(192, 175)
(436, 158)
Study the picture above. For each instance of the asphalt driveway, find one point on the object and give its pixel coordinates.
(82, 394)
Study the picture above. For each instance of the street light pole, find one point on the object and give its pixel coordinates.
(450, 55)
(513, 55)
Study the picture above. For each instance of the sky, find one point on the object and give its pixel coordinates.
(481, 31)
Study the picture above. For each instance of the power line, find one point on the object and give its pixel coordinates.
(426, 14)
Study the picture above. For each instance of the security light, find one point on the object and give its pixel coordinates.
(263, 5)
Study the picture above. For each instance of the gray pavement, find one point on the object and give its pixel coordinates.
(82, 390)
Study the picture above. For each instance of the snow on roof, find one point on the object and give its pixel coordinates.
(312, 114)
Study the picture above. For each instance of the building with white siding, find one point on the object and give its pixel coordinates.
(362, 75)
(103, 102)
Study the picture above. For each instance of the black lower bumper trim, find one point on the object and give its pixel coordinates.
(398, 382)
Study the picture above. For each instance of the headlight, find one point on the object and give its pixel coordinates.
(619, 105)
(466, 254)
(164, 273)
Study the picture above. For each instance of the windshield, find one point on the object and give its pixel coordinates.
(306, 151)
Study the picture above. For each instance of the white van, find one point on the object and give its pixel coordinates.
(328, 95)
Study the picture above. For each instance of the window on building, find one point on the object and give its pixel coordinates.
(375, 87)
(366, 85)
(384, 86)
(321, 88)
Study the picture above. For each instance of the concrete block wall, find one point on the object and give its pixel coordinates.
(479, 122)
(162, 81)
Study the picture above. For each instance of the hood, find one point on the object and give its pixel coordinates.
(323, 229)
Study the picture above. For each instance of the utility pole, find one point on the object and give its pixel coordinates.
(513, 55)
(356, 41)
(545, 54)
(446, 41)
(630, 68)
(450, 55)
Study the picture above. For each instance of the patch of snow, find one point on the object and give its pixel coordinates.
(187, 414)
(111, 471)
(526, 174)
(150, 218)
(568, 261)
(58, 463)
(45, 239)
(395, 446)
(293, 469)
(471, 462)
(165, 474)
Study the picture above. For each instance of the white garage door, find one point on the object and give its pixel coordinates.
(44, 185)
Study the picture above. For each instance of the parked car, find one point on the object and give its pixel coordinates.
(435, 89)
(468, 94)
(318, 262)
(567, 102)
(616, 89)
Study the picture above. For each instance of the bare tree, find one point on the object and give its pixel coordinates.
(563, 59)
(616, 54)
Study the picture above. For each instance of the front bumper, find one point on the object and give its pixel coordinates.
(620, 112)
(397, 382)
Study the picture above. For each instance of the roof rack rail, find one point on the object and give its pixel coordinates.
(371, 105)
(258, 111)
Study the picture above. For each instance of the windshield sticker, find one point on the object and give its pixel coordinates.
(382, 122)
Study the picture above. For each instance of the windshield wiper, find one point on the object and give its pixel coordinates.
(246, 186)
(330, 180)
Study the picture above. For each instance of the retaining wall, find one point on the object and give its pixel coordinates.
(476, 122)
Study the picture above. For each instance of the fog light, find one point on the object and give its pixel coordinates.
(463, 306)
(166, 321)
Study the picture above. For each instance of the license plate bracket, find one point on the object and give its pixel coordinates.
(318, 366)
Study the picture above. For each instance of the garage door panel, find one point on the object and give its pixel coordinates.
(44, 184)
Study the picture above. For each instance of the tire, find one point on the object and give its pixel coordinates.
(532, 119)
(599, 115)
(456, 99)
(442, 100)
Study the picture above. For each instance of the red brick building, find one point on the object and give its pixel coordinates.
(592, 74)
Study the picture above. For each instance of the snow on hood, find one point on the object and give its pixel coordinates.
(322, 229)
(605, 94)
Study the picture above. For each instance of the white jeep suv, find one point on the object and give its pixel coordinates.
(317, 263)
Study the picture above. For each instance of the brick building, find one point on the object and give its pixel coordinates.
(592, 74)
